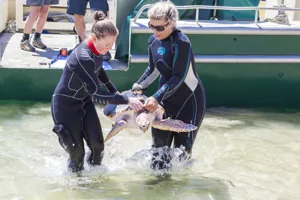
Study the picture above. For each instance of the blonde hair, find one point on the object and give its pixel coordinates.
(163, 10)
(103, 26)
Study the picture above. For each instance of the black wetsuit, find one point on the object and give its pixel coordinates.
(73, 108)
(180, 89)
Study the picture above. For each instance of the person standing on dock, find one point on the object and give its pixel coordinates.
(72, 106)
(180, 91)
(38, 13)
(78, 9)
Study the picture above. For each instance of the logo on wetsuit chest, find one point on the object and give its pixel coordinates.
(164, 87)
(161, 50)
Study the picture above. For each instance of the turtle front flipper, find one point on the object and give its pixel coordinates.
(116, 128)
(174, 125)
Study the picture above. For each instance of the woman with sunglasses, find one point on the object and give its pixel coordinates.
(180, 89)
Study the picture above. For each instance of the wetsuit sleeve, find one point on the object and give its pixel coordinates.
(181, 63)
(151, 73)
(107, 84)
(85, 70)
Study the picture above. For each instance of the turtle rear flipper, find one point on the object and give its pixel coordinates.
(174, 125)
(116, 128)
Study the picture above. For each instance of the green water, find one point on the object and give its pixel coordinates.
(238, 154)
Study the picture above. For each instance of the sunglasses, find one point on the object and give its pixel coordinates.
(158, 28)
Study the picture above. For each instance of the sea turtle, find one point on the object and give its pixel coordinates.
(125, 117)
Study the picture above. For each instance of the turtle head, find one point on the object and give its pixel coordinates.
(143, 121)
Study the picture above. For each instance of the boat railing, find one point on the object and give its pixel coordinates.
(207, 7)
(247, 28)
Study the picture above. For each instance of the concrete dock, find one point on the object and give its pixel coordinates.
(12, 56)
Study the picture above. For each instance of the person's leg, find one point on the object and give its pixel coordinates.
(67, 119)
(42, 18)
(37, 42)
(161, 158)
(31, 19)
(92, 132)
(80, 27)
(78, 9)
(161, 138)
(193, 112)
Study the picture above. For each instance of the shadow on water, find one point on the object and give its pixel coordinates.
(134, 186)
(180, 182)
(194, 188)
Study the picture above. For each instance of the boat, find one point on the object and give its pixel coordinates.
(247, 63)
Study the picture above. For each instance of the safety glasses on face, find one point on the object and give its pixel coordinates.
(158, 28)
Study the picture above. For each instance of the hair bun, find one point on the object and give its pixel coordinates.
(99, 15)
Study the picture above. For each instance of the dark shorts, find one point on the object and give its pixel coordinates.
(78, 7)
(41, 2)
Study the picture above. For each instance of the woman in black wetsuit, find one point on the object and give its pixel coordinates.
(72, 105)
(180, 89)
